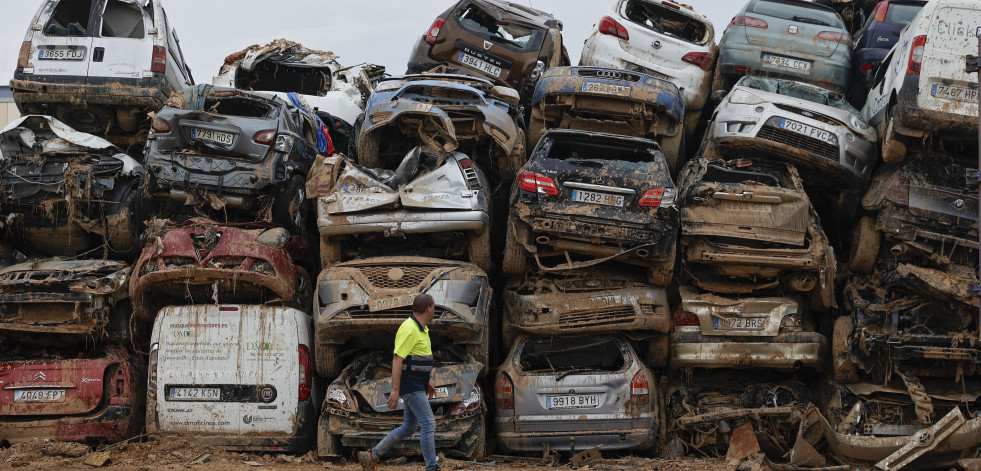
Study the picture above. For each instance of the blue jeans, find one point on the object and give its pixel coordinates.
(416, 413)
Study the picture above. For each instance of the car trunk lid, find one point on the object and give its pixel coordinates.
(793, 27)
(945, 85)
(121, 47)
(54, 385)
(750, 317)
(227, 123)
(61, 39)
(681, 31)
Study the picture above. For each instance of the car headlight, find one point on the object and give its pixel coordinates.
(790, 323)
(337, 397)
(742, 97)
(105, 285)
(858, 123)
(556, 71)
(388, 85)
(274, 238)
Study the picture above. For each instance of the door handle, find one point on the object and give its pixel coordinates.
(98, 54)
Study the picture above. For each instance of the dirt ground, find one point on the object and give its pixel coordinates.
(44, 455)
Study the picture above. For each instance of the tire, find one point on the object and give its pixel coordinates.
(328, 363)
(481, 351)
(330, 252)
(515, 260)
(118, 328)
(845, 370)
(289, 208)
(673, 149)
(691, 122)
(720, 81)
(479, 249)
(130, 206)
(480, 451)
(303, 292)
(516, 159)
(657, 351)
(865, 246)
(661, 273)
(368, 148)
(352, 142)
(536, 128)
(328, 444)
(893, 147)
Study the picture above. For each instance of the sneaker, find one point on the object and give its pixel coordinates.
(368, 461)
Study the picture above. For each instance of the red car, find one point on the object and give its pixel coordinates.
(74, 395)
(245, 263)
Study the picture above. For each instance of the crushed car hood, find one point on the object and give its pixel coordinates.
(459, 378)
(50, 271)
(280, 51)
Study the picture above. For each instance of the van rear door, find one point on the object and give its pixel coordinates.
(61, 40)
(228, 369)
(121, 45)
(952, 35)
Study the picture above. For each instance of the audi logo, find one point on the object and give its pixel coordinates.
(609, 74)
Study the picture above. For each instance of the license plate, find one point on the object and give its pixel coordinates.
(39, 395)
(194, 394)
(380, 304)
(809, 131)
(471, 61)
(739, 323)
(572, 401)
(219, 137)
(787, 62)
(954, 93)
(596, 197)
(61, 54)
(442, 392)
(606, 88)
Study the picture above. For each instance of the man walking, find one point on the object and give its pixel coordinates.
(411, 365)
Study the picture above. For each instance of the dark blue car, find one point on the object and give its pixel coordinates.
(875, 39)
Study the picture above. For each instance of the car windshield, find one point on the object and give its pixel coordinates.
(238, 105)
(666, 21)
(800, 91)
(796, 11)
(901, 14)
(564, 354)
(602, 152)
(480, 22)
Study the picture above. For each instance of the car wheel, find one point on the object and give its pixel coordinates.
(720, 81)
(893, 147)
(328, 365)
(303, 292)
(480, 451)
(328, 444)
(352, 142)
(673, 149)
(130, 206)
(118, 328)
(481, 351)
(368, 148)
(515, 260)
(691, 122)
(290, 205)
(657, 351)
(330, 252)
(515, 159)
(479, 249)
(660, 273)
(507, 333)
(865, 246)
(536, 128)
(845, 370)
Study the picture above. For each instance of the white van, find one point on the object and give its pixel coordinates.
(91, 63)
(921, 88)
(234, 376)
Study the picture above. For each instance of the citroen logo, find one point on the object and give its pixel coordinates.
(487, 45)
(39, 376)
(610, 74)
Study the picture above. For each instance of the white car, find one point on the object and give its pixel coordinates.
(664, 39)
(921, 88)
(99, 65)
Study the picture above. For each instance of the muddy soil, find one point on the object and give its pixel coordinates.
(43, 455)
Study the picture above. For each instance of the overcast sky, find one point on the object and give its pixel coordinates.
(376, 31)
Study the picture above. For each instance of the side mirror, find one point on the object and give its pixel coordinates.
(506, 94)
(719, 95)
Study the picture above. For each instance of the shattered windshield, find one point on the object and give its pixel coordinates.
(480, 22)
(238, 105)
(599, 153)
(802, 91)
(663, 20)
(571, 354)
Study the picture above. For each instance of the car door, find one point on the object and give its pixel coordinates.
(61, 41)
(122, 47)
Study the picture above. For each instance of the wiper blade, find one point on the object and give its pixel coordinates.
(813, 21)
(572, 369)
(587, 163)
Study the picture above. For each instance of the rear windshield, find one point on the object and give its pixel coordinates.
(901, 14)
(70, 18)
(665, 21)
(796, 11)
(599, 153)
(122, 20)
(801, 91)
(271, 75)
(563, 354)
(719, 174)
(514, 35)
(239, 106)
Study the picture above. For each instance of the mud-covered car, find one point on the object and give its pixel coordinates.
(66, 192)
(712, 331)
(456, 112)
(229, 148)
(749, 227)
(704, 413)
(591, 301)
(613, 101)
(575, 393)
(361, 304)
(598, 196)
(433, 204)
(812, 127)
(355, 414)
(200, 262)
(507, 42)
(69, 301)
(91, 395)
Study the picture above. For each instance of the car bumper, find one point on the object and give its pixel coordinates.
(915, 120)
(458, 436)
(865, 448)
(833, 72)
(791, 350)
(628, 439)
(215, 173)
(112, 424)
(638, 310)
(577, 236)
(333, 330)
(151, 92)
(401, 222)
(275, 282)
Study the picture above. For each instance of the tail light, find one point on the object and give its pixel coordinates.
(434, 31)
(151, 378)
(468, 404)
(24, 58)
(338, 397)
(305, 378)
(835, 36)
(160, 126)
(682, 317)
(610, 26)
(916, 55)
(866, 68)
(702, 59)
(469, 173)
(898, 191)
(537, 183)
(640, 388)
(880, 11)
(657, 197)
(748, 21)
(264, 137)
(159, 60)
(503, 392)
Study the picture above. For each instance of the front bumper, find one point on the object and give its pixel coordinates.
(627, 439)
(458, 436)
(151, 92)
(401, 221)
(692, 349)
(864, 448)
(114, 423)
(218, 174)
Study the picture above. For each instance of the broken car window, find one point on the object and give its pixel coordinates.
(237, 105)
(70, 18)
(483, 24)
(796, 11)
(719, 174)
(273, 75)
(600, 153)
(558, 354)
(665, 21)
(122, 20)
(801, 91)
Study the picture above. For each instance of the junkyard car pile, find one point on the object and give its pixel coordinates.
(695, 248)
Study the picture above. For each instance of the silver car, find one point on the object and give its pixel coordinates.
(796, 122)
(574, 393)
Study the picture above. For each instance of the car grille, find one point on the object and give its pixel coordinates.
(609, 75)
(602, 316)
(411, 276)
(397, 313)
(799, 141)
(810, 114)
